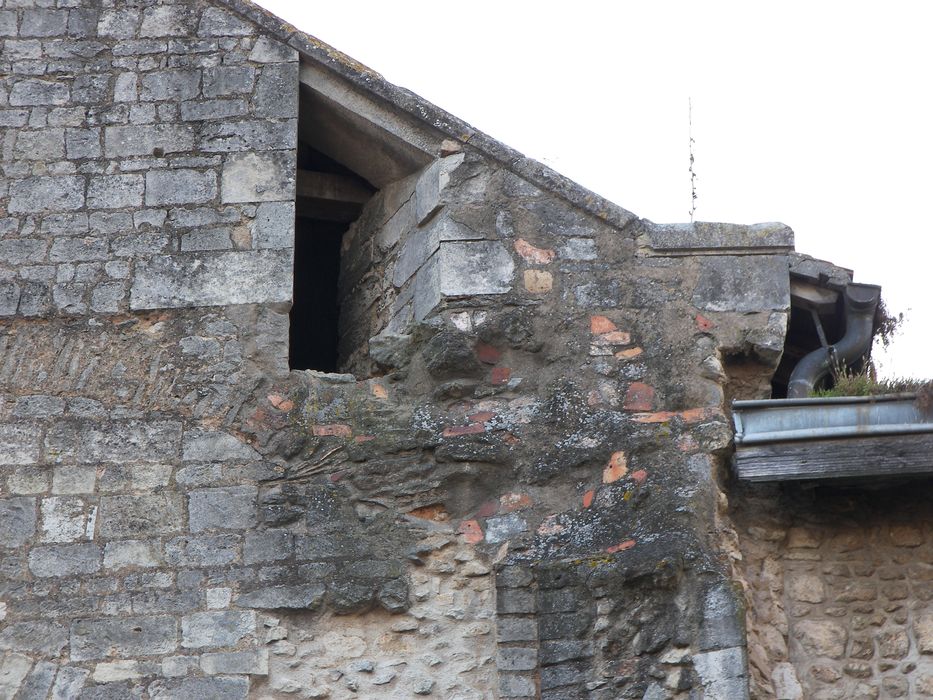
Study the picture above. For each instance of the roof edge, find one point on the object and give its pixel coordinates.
(366, 79)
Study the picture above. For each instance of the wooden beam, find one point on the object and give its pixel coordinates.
(858, 457)
(332, 188)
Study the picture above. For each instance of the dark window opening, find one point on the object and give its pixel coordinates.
(329, 198)
(312, 342)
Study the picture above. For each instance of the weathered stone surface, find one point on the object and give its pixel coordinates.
(255, 177)
(134, 516)
(212, 279)
(64, 560)
(216, 629)
(17, 521)
(130, 636)
(476, 267)
(185, 689)
(37, 637)
(231, 507)
(180, 187)
(147, 140)
(821, 637)
(42, 194)
(744, 283)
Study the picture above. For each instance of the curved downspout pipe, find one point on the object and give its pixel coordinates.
(860, 303)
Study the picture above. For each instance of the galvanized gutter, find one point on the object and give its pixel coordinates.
(819, 438)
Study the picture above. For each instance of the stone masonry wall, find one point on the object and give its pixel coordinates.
(840, 584)
(517, 493)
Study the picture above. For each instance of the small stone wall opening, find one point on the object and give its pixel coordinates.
(329, 197)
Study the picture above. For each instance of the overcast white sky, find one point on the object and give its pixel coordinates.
(817, 114)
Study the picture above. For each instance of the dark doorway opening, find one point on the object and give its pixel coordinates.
(329, 198)
(312, 342)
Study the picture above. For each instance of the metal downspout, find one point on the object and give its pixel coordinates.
(860, 303)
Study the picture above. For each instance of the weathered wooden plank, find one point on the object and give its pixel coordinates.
(889, 455)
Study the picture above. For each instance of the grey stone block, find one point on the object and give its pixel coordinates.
(205, 550)
(504, 527)
(40, 144)
(268, 50)
(145, 140)
(17, 521)
(123, 637)
(39, 681)
(91, 89)
(227, 688)
(267, 545)
(253, 662)
(82, 143)
(517, 659)
(512, 686)
(17, 251)
(204, 110)
(258, 177)
(307, 596)
(723, 673)
(226, 507)
(213, 279)
(152, 441)
(68, 682)
(218, 22)
(251, 135)
(707, 235)
(44, 194)
(743, 283)
(78, 249)
(180, 187)
(173, 85)
(276, 94)
(475, 267)
(34, 637)
(123, 554)
(223, 81)
(166, 20)
(44, 23)
(115, 191)
(20, 443)
(578, 249)
(274, 226)
(515, 601)
(221, 628)
(13, 670)
(207, 239)
(560, 650)
(63, 519)
(32, 92)
(427, 292)
(214, 446)
(516, 629)
(64, 560)
(8, 28)
(140, 515)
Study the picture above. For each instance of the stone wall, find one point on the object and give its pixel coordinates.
(839, 581)
(517, 492)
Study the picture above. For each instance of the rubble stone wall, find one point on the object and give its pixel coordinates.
(839, 581)
(517, 492)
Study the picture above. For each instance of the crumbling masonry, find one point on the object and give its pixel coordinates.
(515, 483)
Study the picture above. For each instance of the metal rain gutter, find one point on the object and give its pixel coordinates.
(830, 437)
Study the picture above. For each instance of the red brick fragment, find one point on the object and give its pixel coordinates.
(488, 509)
(601, 324)
(481, 417)
(334, 429)
(703, 323)
(616, 469)
(364, 438)
(471, 429)
(658, 417)
(336, 476)
(515, 501)
(588, 498)
(533, 255)
(436, 512)
(639, 397)
(471, 531)
(487, 353)
(640, 475)
(500, 376)
(378, 391)
(621, 547)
